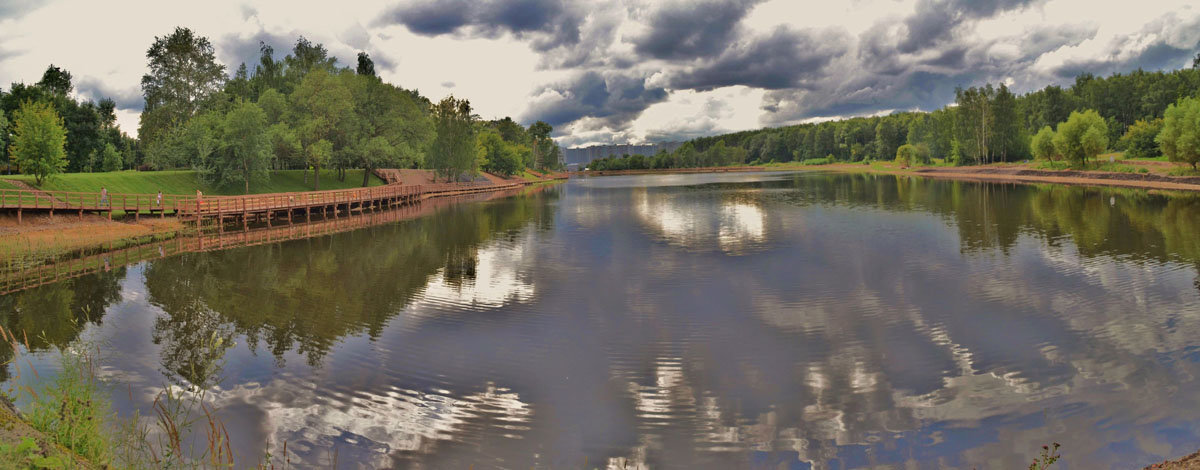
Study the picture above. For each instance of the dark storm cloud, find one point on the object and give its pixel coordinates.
(548, 23)
(94, 90)
(782, 59)
(614, 99)
(936, 20)
(691, 30)
(909, 66)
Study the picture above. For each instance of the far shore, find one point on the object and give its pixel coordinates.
(1005, 172)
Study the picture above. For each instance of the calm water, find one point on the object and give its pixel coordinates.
(711, 321)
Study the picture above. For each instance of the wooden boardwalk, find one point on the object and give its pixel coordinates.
(17, 275)
(268, 207)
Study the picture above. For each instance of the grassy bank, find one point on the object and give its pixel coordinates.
(187, 182)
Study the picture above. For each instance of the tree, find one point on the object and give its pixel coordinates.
(184, 74)
(38, 141)
(1083, 136)
(500, 156)
(389, 128)
(908, 155)
(246, 153)
(3, 133)
(453, 152)
(366, 66)
(110, 159)
(321, 105)
(306, 57)
(1043, 145)
(1007, 137)
(1139, 139)
(56, 80)
(1180, 136)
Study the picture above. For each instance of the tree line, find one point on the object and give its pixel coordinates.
(299, 111)
(985, 124)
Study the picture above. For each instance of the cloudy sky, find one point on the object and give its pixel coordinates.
(615, 71)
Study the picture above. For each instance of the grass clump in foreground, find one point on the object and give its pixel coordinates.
(69, 423)
(186, 182)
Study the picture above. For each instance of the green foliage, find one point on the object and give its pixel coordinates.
(1139, 139)
(500, 156)
(321, 106)
(1083, 136)
(388, 128)
(243, 153)
(110, 160)
(38, 141)
(27, 455)
(453, 152)
(1180, 136)
(184, 75)
(71, 412)
(817, 161)
(1043, 145)
(908, 155)
(3, 133)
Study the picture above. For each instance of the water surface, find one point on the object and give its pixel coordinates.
(681, 321)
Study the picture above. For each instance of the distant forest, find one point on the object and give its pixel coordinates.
(986, 124)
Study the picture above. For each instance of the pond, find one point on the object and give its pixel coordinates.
(771, 320)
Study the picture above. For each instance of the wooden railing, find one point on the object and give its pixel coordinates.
(92, 202)
(208, 206)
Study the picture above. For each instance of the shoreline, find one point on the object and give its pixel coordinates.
(48, 235)
(1004, 173)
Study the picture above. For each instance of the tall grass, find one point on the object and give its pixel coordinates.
(71, 410)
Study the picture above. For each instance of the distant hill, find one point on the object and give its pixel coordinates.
(585, 155)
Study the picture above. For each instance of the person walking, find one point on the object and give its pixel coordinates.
(158, 199)
(103, 196)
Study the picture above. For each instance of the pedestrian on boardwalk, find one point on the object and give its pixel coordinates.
(158, 200)
(103, 196)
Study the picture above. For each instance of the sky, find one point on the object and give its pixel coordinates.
(630, 71)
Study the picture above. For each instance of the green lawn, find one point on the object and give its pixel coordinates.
(186, 182)
(7, 185)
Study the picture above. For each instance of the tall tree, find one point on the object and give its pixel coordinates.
(246, 155)
(184, 74)
(366, 66)
(321, 105)
(268, 74)
(38, 141)
(3, 133)
(110, 158)
(390, 129)
(453, 151)
(1007, 137)
(56, 80)
(306, 57)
